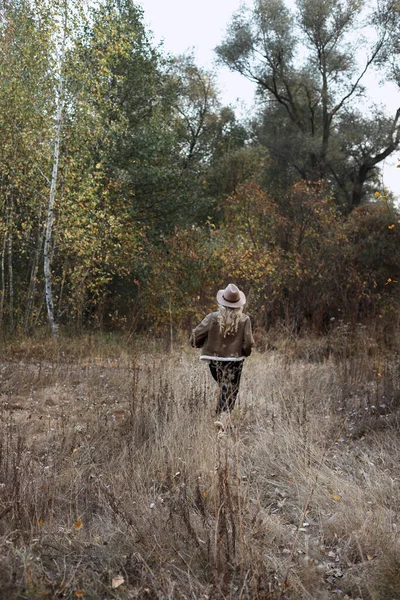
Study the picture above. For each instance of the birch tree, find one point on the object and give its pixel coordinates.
(25, 113)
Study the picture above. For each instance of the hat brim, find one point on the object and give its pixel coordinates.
(221, 300)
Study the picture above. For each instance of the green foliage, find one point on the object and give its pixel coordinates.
(305, 64)
(183, 274)
(163, 195)
(26, 107)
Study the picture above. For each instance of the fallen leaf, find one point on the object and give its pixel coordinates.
(79, 593)
(117, 581)
(78, 524)
(336, 498)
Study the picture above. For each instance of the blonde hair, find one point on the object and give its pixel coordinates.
(229, 319)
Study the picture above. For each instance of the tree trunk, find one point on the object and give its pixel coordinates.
(33, 279)
(3, 278)
(49, 226)
(370, 163)
(326, 119)
(171, 327)
(50, 207)
(10, 281)
(358, 192)
(10, 267)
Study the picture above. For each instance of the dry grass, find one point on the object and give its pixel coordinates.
(110, 466)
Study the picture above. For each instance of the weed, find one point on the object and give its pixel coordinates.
(111, 470)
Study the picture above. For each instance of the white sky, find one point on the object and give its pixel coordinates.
(199, 26)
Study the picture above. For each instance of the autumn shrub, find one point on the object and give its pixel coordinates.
(304, 265)
(183, 275)
(289, 253)
(373, 250)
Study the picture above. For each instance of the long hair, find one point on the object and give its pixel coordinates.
(229, 319)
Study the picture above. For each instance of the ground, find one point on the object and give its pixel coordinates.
(115, 483)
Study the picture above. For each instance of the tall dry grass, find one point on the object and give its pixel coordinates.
(110, 467)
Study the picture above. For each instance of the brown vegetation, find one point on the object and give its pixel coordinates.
(301, 262)
(110, 467)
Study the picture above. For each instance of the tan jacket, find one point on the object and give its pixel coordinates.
(207, 335)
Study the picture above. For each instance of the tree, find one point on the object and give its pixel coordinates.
(310, 66)
(48, 230)
(127, 89)
(26, 109)
(98, 234)
(213, 144)
(196, 104)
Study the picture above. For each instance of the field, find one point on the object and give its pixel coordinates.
(114, 482)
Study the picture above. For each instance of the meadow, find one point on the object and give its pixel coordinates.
(115, 483)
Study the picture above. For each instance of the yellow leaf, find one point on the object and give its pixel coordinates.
(377, 194)
(117, 581)
(336, 498)
(391, 226)
(78, 524)
(40, 522)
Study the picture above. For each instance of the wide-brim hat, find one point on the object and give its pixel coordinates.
(231, 297)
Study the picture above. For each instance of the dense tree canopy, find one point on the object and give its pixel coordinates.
(129, 193)
(310, 66)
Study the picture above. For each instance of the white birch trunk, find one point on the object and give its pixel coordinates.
(50, 207)
(3, 278)
(50, 221)
(10, 280)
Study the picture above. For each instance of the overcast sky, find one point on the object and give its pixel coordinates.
(185, 25)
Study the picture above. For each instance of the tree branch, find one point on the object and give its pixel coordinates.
(356, 83)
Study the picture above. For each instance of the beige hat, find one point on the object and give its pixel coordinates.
(231, 296)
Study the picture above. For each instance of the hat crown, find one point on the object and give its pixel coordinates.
(231, 297)
(231, 293)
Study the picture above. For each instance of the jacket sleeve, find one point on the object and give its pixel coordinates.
(200, 333)
(248, 340)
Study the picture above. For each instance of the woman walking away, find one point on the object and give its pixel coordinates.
(226, 339)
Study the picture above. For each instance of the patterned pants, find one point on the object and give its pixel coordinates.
(227, 375)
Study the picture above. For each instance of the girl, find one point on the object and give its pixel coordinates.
(226, 339)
